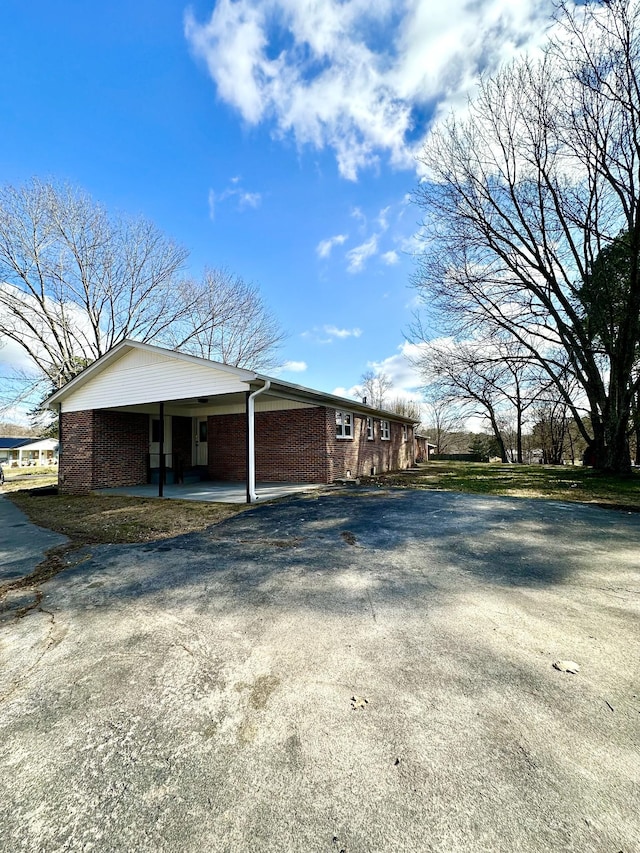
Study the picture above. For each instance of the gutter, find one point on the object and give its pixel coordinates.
(251, 445)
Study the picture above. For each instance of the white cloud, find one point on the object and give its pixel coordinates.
(358, 215)
(328, 334)
(390, 258)
(335, 332)
(353, 393)
(293, 367)
(363, 77)
(249, 200)
(406, 378)
(324, 247)
(402, 371)
(358, 256)
(245, 199)
(383, 222)
(15, 357)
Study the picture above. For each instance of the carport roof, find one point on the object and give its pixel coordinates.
(251, 378)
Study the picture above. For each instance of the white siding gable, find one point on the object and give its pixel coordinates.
(141, 376)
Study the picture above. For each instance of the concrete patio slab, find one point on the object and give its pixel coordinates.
(215, 492)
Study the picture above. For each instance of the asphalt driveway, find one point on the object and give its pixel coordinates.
(368, 672)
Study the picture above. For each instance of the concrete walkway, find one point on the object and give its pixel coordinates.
(215, 492)
(22, 544)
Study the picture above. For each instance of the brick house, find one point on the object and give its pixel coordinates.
(145, 414)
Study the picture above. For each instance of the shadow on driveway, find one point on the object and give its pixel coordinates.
(208, 692)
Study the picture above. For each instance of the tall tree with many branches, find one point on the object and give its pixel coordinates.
(524, 195)
(225, 319)
(75, 281)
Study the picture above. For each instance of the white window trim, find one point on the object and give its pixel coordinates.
(370, 430)
(385, 430)
(344, 425)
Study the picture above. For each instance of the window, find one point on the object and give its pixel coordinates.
(404, 432)
(385, 430)
(370, 429)
(155, 429)
(344, 425)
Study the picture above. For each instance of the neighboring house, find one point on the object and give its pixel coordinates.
(142, 413)
(22, 452)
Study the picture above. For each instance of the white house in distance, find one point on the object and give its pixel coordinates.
(142, 414)
(23, 452)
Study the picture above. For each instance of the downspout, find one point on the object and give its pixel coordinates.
(251, 442)
(59, 440)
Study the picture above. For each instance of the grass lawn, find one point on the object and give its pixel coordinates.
(117, 518)
(557, 482)
(27, 478)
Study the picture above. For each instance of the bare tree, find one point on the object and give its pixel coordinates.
(495, 377)
(444, 418)
(406, 408)
(225, 319)
(75, 282)
(374, 388)
(464, 374)
(527, 192)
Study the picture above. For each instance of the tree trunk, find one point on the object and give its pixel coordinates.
(615, 455)
(498, 435)
(519, 433)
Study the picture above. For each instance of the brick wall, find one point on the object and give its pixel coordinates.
(226, 447)
(101, 449)
(300, 446)
(359, 455)
(290, 446)
(75, 464)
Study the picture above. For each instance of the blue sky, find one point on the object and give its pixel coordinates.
(273, 137)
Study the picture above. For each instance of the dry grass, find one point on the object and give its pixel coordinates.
(16, 479)
(117, 518)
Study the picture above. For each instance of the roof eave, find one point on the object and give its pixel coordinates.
(299, 391)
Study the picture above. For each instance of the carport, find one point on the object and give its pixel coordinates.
(144, 415)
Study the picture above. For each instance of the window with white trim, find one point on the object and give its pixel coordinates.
(385, 430)
(344, 424)
(404, 432)
(370, 429)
